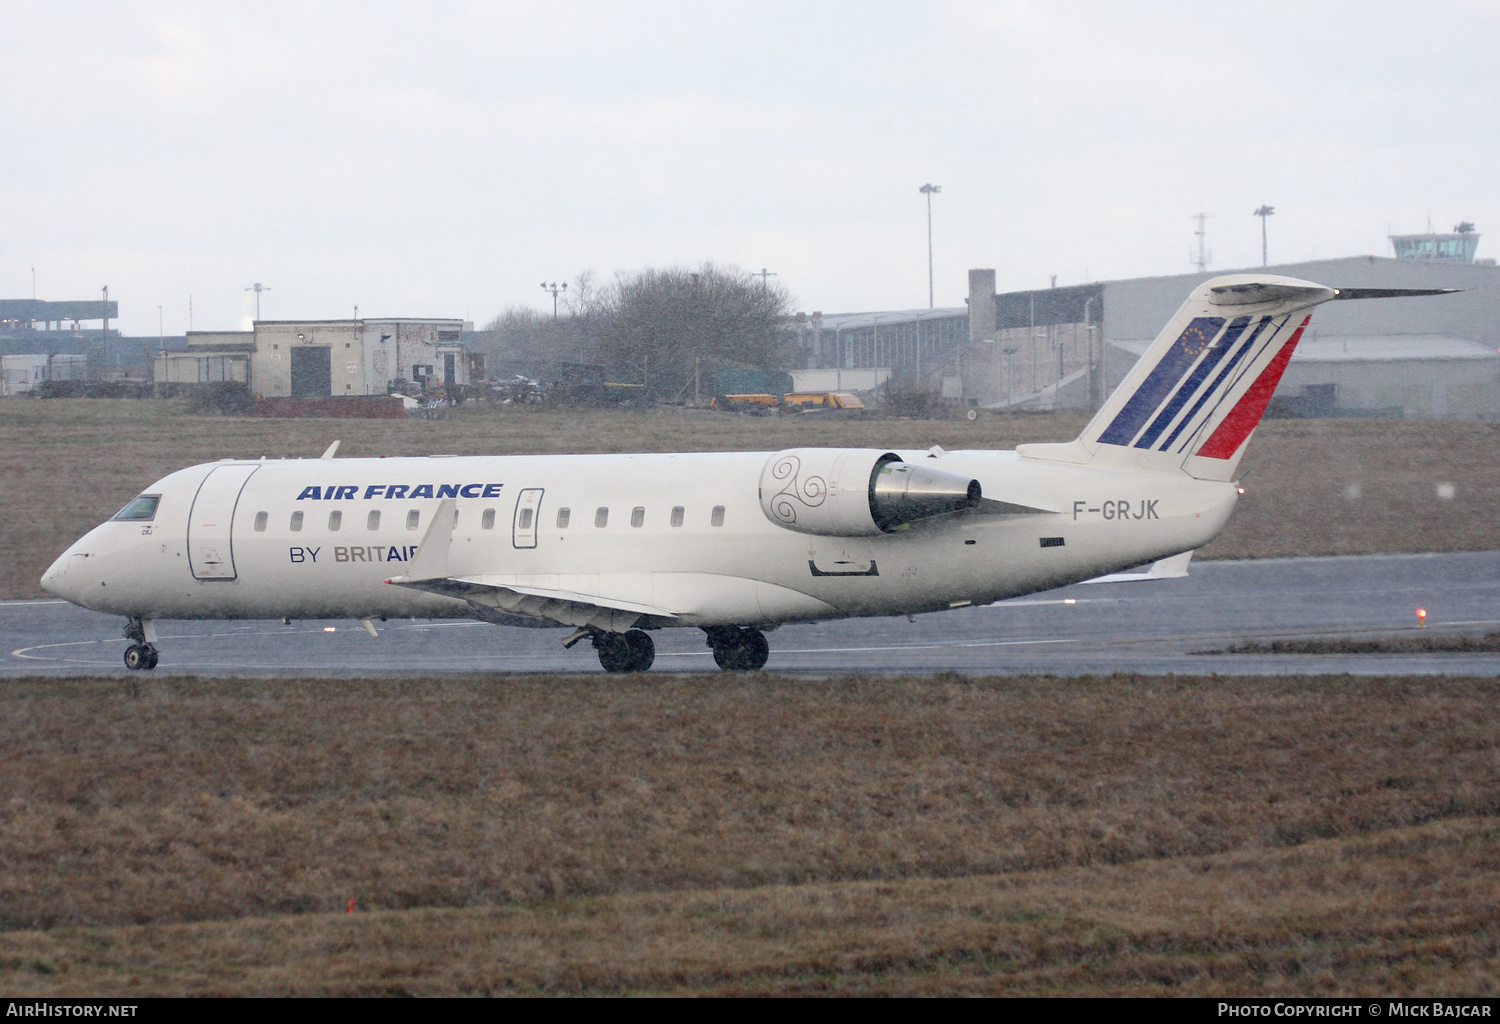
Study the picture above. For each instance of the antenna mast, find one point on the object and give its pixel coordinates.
(1202, 258)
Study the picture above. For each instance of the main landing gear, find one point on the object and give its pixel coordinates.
(142, 653)
(624, 652)
(739, 648)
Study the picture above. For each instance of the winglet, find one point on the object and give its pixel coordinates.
(431, 560)
(331, 449)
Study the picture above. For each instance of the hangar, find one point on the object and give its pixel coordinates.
(1068, 347)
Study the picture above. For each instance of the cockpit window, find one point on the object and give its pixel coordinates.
(141, 510)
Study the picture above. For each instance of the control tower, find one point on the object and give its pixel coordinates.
(1457, 246)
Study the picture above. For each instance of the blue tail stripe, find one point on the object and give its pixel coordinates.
(1164, 376)
(1216, 389)
(1190, 386)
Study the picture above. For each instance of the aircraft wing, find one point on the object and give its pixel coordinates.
(517, 601)
(502, 600)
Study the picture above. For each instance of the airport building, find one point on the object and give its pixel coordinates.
(323, 358)
(1059, 348)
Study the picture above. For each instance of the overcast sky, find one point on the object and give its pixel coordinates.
(442, 159)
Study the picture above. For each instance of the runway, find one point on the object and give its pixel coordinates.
(1142, 627)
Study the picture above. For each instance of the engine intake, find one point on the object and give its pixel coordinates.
(857, 492)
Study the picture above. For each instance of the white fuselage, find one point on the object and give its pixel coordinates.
(297, 538)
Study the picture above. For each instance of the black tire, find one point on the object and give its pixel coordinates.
(754, 651)
(745, 651)
(136, 657)
(151, 656)
(642, 650)
(615, 653)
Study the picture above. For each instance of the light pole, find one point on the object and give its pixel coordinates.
(1009, 351)
(257, 288)
(929, 190)
(104, 337)
(1263, 213)
(554, 288)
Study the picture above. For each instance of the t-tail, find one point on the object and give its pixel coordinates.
(1192, 401)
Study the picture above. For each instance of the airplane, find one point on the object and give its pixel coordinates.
(734, 544)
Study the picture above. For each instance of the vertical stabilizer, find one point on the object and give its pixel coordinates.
(1192, 401)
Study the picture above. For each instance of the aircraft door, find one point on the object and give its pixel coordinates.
(523, 526)
(210, 538)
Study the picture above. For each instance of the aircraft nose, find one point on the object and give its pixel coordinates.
(62, 578)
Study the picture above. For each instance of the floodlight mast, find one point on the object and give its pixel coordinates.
(929, 190)
(257, 288)
(554, 288)
(1263, 213)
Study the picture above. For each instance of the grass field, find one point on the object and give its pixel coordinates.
(69, 464)
(751, 834)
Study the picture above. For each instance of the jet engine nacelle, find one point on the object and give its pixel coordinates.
(857, 492)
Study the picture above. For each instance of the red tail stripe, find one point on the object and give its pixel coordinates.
(1245, 415)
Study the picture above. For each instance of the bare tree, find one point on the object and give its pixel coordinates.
(657, 326)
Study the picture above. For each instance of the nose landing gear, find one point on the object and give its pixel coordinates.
(138, 656)
(739, 648)
(142, 653)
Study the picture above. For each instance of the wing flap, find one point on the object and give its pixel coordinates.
(501, 599)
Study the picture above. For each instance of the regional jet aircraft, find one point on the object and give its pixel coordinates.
(618, 546)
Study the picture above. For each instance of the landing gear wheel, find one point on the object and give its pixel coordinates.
(739, 650)
(625, 652)
(140, 656)
(642, 650)
(614, 651)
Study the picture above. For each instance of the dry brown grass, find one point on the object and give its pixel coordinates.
(72, 463)
(1413, 643)
(750, 834)
(1407, 912)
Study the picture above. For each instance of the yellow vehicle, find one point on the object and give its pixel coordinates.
(740, 401)
(796, 402)
(823, 399)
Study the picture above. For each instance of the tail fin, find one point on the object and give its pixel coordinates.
(1192, 401)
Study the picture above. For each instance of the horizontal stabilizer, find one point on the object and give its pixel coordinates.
(1250, 293)
(1389, 293)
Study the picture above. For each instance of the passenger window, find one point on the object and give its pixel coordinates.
(296, 522)
(677, 516)
(637, 517)
(718, 516)
(601, 517)
(335, 520)
(372, 521)
(413, 518)
(487, 521)
(526, 518)
(260, 521)
(142, 509)
(563, 515)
